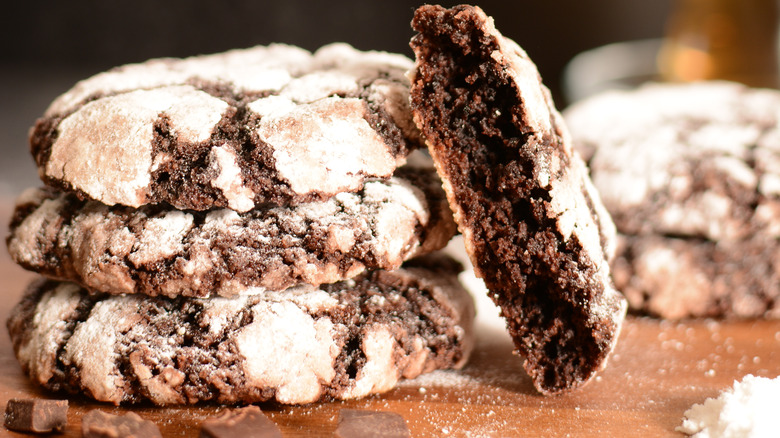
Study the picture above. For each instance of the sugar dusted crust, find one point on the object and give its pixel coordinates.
(533, 224)
(343, 341)
(674, 277)
(691, 175)
(162, 251)
(239, 129)
(698, 160)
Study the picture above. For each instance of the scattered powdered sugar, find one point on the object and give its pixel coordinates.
(439, 379)
(749, 409)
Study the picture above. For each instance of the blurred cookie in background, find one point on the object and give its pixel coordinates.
(691, 176)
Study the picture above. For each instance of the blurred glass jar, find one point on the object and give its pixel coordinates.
(722, 39)
(733, 40)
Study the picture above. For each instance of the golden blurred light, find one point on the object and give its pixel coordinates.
(722, 39)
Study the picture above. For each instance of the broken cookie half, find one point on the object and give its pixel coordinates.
(534, 227)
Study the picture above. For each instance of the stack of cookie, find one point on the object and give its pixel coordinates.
(232, 228)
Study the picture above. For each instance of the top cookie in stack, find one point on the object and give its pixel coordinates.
(235, 226)
(240, 129)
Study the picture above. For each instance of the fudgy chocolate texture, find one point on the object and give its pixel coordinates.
(691, 174)
(36, 415)
(163, 251)
(678, 277)
(343, 341)
(99, 424)
(532, 223)
(246, 422)
(239, 129)
(354, 423)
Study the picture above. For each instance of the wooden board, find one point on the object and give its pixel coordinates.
(657, 371)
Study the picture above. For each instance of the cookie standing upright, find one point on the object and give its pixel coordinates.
(239, 129)
(691, 176)
(533, 225)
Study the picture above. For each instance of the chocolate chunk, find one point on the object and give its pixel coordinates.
(36, 415)
(363, 424)
(99, 424)
(248, 422)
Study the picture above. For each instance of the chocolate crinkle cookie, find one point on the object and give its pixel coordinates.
(240, 129)
(691, 175)
(533, 225)
(338, 341)
(157, 250)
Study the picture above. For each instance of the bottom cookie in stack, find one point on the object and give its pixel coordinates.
(337, 341)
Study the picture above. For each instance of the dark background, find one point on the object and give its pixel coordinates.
(45, 46)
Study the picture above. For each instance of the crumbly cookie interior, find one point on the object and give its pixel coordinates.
(472, 114)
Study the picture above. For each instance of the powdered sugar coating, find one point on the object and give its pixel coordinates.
(49, 326)
(229, 179)
(160, 251)
(689, 173)
(294, 346)
(380, 373)
(258, 68)
(92, 346)
(675, 277)
(296, 375)
(234, 130)
(105, 149)
(682, 159)
(340, 145)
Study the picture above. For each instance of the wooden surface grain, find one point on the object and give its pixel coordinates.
(658, 370)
